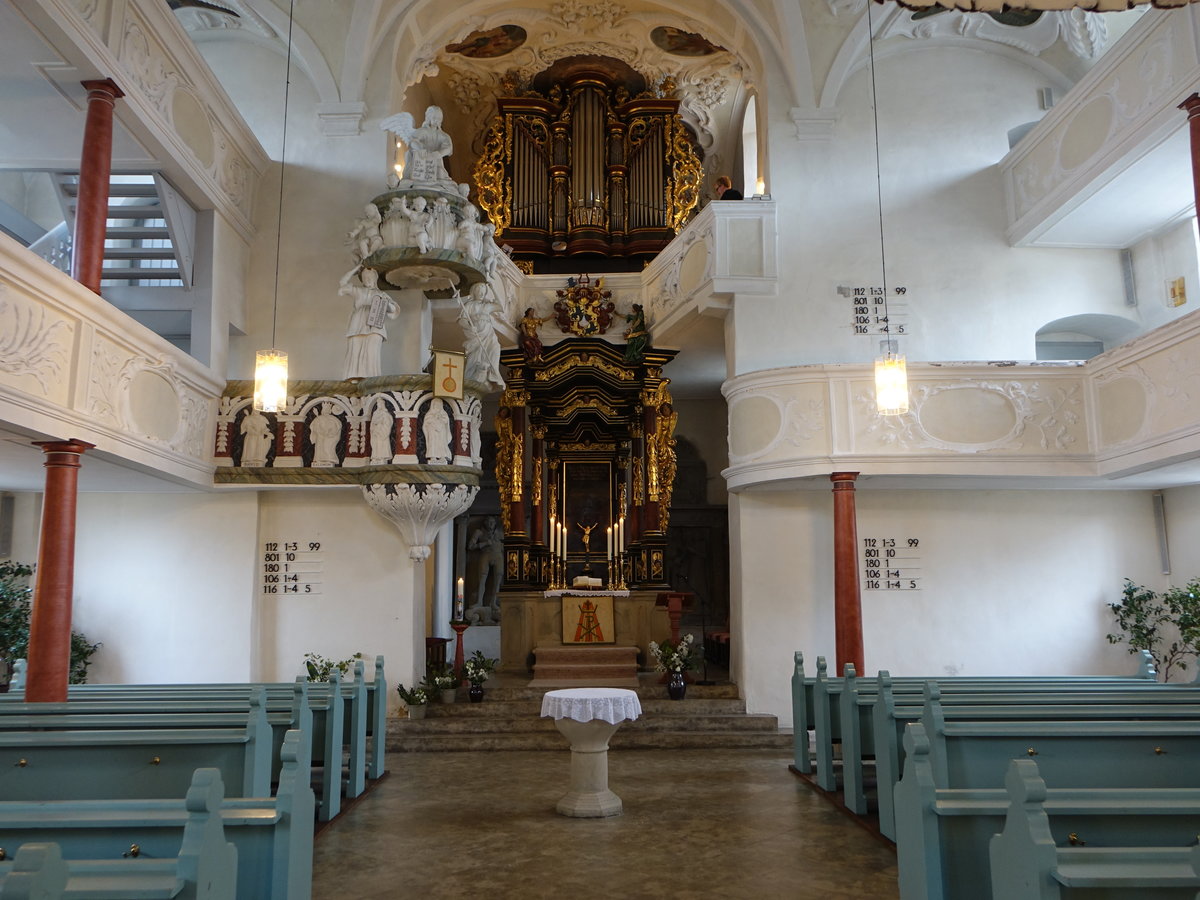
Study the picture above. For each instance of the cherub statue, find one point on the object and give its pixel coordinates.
(420, 218)
(470, 233)
(426, 147)
(364, 237)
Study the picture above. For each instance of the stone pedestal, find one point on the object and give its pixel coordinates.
(589, 796)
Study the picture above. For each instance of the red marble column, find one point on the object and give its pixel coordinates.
(95, 166)
(50, 624)
(1192, 105)
(847, 601)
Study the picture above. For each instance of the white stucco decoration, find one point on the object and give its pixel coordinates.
(32, 343)
(419, 510)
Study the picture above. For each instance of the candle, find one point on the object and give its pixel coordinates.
(553, 532)
(621, 535)
(608, 547)
(562, 541)
(458, 601)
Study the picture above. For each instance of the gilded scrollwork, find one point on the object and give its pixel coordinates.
(589, 360)
(494, 190)
(686, 173)
(639, 491)
(536, 488)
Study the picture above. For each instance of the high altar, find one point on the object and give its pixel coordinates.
(585, 465)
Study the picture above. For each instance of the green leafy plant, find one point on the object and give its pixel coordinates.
(1167, 625)
(440, 678)
(671, 657)
(16, 608)
(319, 668)
(418, 696)
(479, 667)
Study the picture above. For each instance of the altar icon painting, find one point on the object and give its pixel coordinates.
(587, 620)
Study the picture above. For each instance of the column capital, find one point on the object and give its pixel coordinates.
(103, 86)
(843, 481)
(72, 448)
(1192, 105)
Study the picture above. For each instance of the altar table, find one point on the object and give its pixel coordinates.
(588, 717)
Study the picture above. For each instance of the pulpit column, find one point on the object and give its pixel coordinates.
(50, 623)
(847, 600)
(95, 167)
(1192, 105)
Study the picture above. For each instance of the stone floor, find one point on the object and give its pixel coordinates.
(697, 824)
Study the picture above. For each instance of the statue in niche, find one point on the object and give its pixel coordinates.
(442, 229)
(256, 439)
(364, 237)
(366, 332)
(325, 431)
(485, 556)
(491, 253)
(381, 435)
(436, 429)
(425, 147)
(482, 345)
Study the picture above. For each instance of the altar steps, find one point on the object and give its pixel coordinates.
(712, 717)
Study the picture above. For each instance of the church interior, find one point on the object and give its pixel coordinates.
(541, 377)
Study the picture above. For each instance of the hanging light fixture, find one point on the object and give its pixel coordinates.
(271, 366)
(891, 373)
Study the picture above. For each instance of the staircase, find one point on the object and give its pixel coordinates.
(150, 230)
(509, 718)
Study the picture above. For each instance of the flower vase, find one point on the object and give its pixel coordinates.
(475, 693)
(449, 695)
(416, 711)
(676, 686)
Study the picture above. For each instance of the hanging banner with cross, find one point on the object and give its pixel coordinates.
(448, 368)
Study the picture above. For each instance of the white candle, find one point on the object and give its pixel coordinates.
(562, 541)
(621, 535)
(608, 547)
(552, 533)
(459, 595)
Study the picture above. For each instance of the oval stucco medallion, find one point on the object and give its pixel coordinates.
(753, 425)
(968, 415)
(154, 405)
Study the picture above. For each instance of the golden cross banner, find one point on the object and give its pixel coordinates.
(448, 368)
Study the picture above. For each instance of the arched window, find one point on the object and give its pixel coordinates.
(750, 147)
(1082, 337)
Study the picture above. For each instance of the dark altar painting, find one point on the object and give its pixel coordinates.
(587, 501)
(494, 42)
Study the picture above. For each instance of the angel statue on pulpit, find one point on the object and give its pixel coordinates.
(425, 148)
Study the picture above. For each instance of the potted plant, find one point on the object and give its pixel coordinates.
(675, 659)
(319, 668)
(16, 609)
(477, 669)
(416, 700)
(442, 681)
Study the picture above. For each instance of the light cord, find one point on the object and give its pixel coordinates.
(287, 85)
(878, 179)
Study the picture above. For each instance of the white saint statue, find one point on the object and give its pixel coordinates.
(436, 430)
(325, 431)
(482, 345)
(366, 332)
(256, 439)
(381, 435)
(425, 148)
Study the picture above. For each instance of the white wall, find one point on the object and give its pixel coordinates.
(1012, 582)
(164, 582)
(366, 602)
(1182, 506)
(1161, 259)
(944, 114)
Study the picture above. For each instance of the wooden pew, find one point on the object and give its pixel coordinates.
(943, 833)
(330, 737)
(1004, 700)
(273, 835)
(203, 868)
(1028, 864)
(38, 873)
(804, 696)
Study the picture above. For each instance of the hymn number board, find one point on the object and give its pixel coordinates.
(867, 310)
(891, 564)
(292, 567)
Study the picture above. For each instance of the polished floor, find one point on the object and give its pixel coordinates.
(697, 823)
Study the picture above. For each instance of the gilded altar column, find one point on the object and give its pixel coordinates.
(537, 510)
(847, 600)
(95, 168)
(650, 518)
(50, 623)
(1192, 106)
(637, 482)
